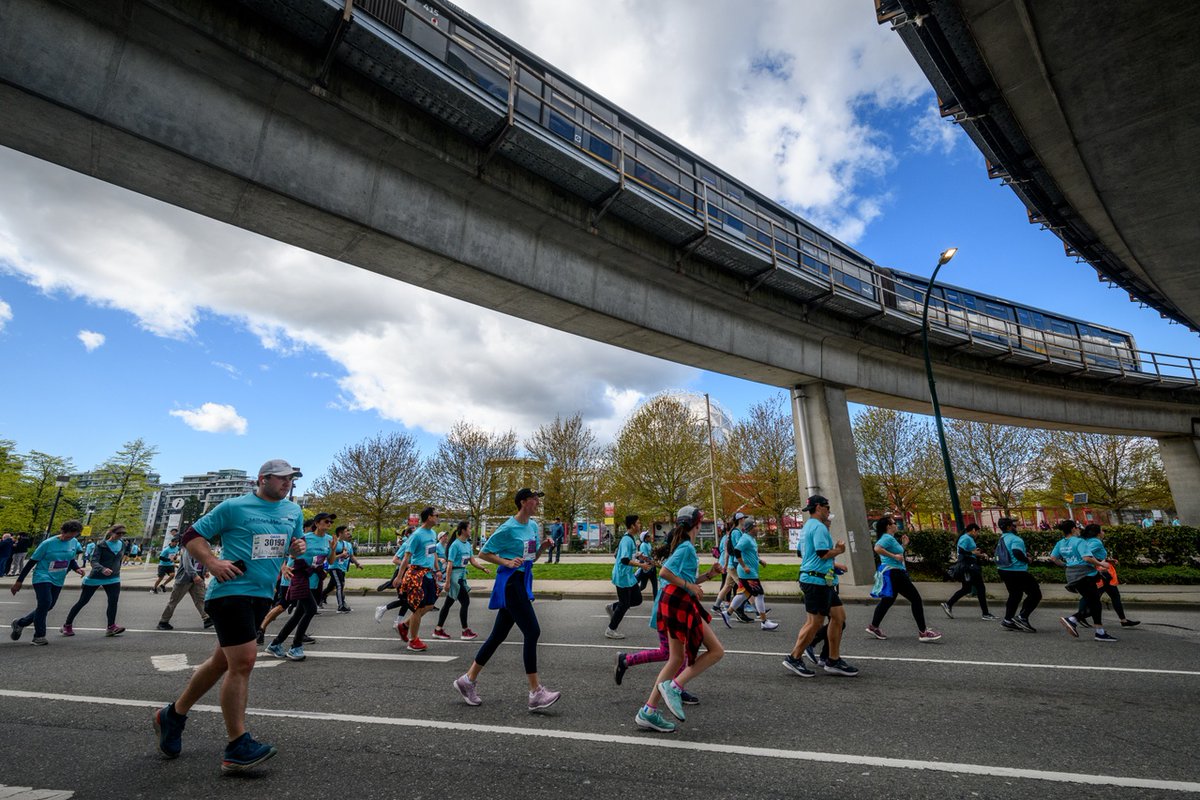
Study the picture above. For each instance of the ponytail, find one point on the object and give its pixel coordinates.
(678, 534)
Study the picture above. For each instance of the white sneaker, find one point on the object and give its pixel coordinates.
(769, 625)
(609, 633)
(379, 612)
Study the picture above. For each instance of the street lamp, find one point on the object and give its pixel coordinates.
(60, 481)
(943, 259)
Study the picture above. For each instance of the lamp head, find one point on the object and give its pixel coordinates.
(62, 480)
(946, 255)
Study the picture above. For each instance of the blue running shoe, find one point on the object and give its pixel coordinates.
(245, 753)
(295, 654)
(276, 650)
(168, 726)
(673, 697)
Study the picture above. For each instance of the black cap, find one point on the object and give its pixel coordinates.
(323, 515)
(526, 493)
(814, 501)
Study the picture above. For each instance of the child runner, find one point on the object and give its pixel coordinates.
(457, 590)
(970, 573)
(106, 573)
(166, 563)
(49, 564)
(624, 577)
(891, 558)
(513, 547)
(747, 563)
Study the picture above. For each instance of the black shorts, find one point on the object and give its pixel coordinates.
(429, 588)
(280, 598)
(166, 569)
(751, 586)
(237, 618)
(820, 598)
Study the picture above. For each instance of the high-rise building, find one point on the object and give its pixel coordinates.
(97, 490)
(205, 489)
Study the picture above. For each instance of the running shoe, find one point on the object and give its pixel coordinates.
(276, 650)
(344, 610)
(1024, 625)
(541, 698)
(165, 626)
(168, 727)
(688, 698)
(1129, 623)
(769, 625)
(417, 645)
(742, 616)
(113, 630)
(724, 612)
(796, 665)
(1083, 623)
(876, 632)
(1070, 626)
(402, 629)
(16, 630)
(295, 654)
(1105, 637)
(1009, 625)
(948, 609)
(40, 641)
(608, 609)
(466, 687)
(716, 608)
(609, 633)
(673, 696)
(653, 721)
(619, 673)
(245, 753)
(379, 612)
(469, 634)
(929, 635)
(440, 633)
(259, 635)
(67, 630)
(812, 654)
(840, 667)
(989, 617)
(308, 640)
(208, 623)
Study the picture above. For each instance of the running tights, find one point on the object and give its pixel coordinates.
(649, 576)
(337, 582)
(651, 656)
(302, 614)
(972, 579)
(1089, 598)
(1114, 594)
(47, 596)
(464, 601)
(518, 610)
(1020, 582)
(760, 603)
(111, 590)
(627, 597)
(902, 586)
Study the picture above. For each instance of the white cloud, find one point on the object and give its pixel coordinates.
(91, 339)
(230, 368)
(5, 314)
(212, 418)
(933, 132)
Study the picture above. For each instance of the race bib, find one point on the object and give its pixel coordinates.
(59, 566)
(269, 545)
(462, 562)
(530, 549)
(319, 561)
(431, 549)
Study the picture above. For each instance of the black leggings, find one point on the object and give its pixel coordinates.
(902, 585)
(337, 582)
(517, 610)
(651, 577)
(1019, 582)
(111, 590)
(1089, 598)
(1114, 594)
(464, 602)
(302, 614)
(972, 579)
(627, 597)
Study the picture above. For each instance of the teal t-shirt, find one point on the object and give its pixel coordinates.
(683, 563)
(459, 556)
(722, 555)
(167, 555)
(814, 536)
(1091, 547)
(966, 542)
(116, 548)
(316, 553)
(1015, 543)
(624, 576)
(256, 532)
(748, 545)
(1066, 550)
(135, 550)
(422, 548)
(54, 557)
(892, 545)
(514, 540)
(341, 556)
(87, 551)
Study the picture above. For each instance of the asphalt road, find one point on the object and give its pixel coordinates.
(953, 715)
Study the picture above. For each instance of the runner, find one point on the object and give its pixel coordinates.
(322, 522)
(256, 530)
(457, 588)
(649, 574)
(189, 580)
(970, 573)
(280, 602)
(87, 553)
(415, 578)
(893, 574)
(1085, 561)
(301, 580)
(49, 564)
(1012, 561)
(819, 579)
(729, 587)
(342, 558)
(624, 577)
(135, 550)
(679, 613)
(513, 547)
(106, 573)
(746, 561)
(166, 562)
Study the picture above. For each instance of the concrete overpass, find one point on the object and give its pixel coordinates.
(293, 129)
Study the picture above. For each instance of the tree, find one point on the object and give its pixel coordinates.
(659, 460)
(122, 483)
(568, 450)
(997, 461)
(12, 513)
(38, 491)
(761, 455)
(896, 457)
(1117, 472)
(459, 472)
(374, 480)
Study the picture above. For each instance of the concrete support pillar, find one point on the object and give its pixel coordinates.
(1181, 459)
(826, 464)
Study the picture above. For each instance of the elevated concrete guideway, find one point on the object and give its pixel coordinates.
(216, 109)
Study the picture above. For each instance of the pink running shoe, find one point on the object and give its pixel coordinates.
(67, 630)
(466, 687)
(113, 630)
(440, 633)
(541, 698)
(929, 635)
(876, 632)
(469, 634)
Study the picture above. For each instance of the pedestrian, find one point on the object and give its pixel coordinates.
(819, 579)
(626, 561)
(513, 548)
(969, 570)
(257, 530)
(106, 573)
(166, 562)
(1012, 561)
(679, 613)
(457, 590)
(50, 562)
(7, 544)
(557, 534)
(339, 564)
(302, 580)
(1085, 563)
(893, 572)
(189, 580)
(20, 552)
(746, 562)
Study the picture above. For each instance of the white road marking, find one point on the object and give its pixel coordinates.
(641, 742)
(30, 793)
(627, 616)
(178, 662)
(381, 656)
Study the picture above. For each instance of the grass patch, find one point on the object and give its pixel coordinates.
(575, 572)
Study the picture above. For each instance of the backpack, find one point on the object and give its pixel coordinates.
(1004, 556)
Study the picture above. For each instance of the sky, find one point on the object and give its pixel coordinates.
(121, 316)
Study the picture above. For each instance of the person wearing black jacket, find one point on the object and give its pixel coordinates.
(969, 572)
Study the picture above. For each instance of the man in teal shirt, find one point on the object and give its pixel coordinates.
(626, 562)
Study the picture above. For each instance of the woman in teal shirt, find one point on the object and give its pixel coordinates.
(1012, 561)
(891, 557)
(49, 564)
(456, 588)
(1084, 563)
(106, 574)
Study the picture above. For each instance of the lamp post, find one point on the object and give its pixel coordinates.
(943, 259)
(61, 482)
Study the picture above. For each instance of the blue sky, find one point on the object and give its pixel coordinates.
(297, 356)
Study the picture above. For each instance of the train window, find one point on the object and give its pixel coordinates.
(423, 27)
(482, 48)
(599, 138)
(479, 72)
(653, 170)
(563, 127)
(994, 309)
(600, 111)
(562, 103)
(1061, 326)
